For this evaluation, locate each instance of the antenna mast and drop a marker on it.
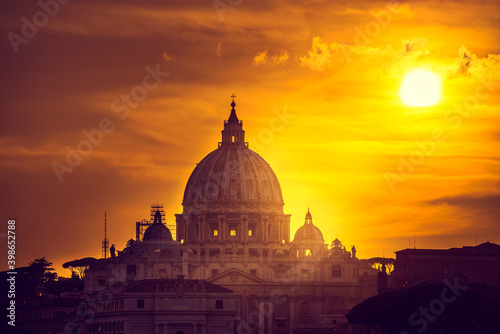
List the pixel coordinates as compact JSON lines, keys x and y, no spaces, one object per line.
{"x":105,"y":242}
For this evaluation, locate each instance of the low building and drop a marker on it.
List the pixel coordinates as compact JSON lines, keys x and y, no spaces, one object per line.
{"x":474,"y":264}
{"x":48,"y":315}
{"x":161,"y":306}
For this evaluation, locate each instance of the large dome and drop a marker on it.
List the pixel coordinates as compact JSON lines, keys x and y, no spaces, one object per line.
{"x":233,"y":196}
{"x":233,"y":177}
{"x":233,"y":174}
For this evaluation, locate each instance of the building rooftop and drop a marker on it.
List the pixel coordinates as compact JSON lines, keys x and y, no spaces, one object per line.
{"x":484,"y":249}
{"x":170,"y":285}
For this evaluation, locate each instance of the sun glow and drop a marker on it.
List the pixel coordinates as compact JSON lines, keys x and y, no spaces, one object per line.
{"x":420,"y":88}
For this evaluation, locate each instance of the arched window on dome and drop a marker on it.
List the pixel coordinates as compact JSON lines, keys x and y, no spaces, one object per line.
{"x":309,"y":252}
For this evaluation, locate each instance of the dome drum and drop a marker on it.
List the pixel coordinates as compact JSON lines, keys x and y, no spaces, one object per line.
{"x":233,"y":228}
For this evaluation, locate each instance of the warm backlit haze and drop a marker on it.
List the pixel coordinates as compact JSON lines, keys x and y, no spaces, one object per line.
{"x":376,"y":162}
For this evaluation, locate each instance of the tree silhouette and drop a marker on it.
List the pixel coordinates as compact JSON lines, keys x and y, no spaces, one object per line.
{"x":79,"y":266}
{"x":41,"y":270}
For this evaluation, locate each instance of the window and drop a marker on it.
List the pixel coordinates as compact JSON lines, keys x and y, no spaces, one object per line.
{"x":215,"y":272}
{"x":219,"y":304}
{"x":140,"y":303}
{"x":253,"y":272}
{"x":163,"y":273}
{"x":305,"y":309}
{"x":336,"y":271}
{"x":305,"y":273}
{"x":131,"y":270}
{"x":232,"y":139}
{"x":309,"y":252}
{"x":101,"y":281}
{"x":281,"y":307}
{"x":216,"y":233}
{"x":250,"y":232}
{"x":280,"y":273}
{"x":232,"y":233}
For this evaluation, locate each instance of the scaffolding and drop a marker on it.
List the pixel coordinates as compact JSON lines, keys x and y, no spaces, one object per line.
{"x":156,"y":207}
{"x":140,"y":227}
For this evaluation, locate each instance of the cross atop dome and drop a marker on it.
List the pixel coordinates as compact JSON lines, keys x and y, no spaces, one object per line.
{"x":233,"y":134}
{"x":232,"y":117}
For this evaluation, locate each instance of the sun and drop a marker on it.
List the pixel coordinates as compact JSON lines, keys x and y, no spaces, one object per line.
{"x":420,"y":88}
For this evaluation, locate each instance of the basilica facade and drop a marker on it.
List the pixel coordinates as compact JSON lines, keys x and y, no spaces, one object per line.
{"x":234,"y":233}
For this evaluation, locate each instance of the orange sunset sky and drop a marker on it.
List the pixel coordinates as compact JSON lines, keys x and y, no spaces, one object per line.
{"x":317,"y":87}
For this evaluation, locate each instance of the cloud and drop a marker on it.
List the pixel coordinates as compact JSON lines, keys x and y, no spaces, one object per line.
{"x":415,"y":46}
{"x":262,"y":58}
{"x":393,"y":11}
{"x":465,"y":60}
{"x":280,"y":59}
{"x":478,"y":210}
{"x":165,"y":56}
{"x":491,"y":201}
{"x":219,"y":49}
{"x":468,"y":64}
{"x":413,"y":53}
{"x":323,"y":55}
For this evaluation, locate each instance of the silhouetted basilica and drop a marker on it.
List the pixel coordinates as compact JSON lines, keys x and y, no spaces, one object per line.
{"x":233,"y":234}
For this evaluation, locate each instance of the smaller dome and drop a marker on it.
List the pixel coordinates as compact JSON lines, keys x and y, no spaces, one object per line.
{"x":308,"y":232}
{"x":157,"y":232}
